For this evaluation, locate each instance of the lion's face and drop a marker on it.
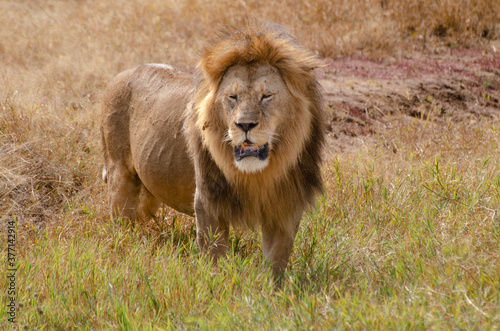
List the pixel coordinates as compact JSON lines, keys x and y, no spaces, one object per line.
{"x":253,"y":99}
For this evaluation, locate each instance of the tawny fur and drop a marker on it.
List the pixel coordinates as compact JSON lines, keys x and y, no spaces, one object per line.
{"x":165,"y":137}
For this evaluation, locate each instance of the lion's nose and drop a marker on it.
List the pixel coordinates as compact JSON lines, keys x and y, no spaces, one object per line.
{"x":246,"y":126}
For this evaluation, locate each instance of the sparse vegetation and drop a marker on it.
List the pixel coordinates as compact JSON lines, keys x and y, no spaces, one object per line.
{"x":407,"y":234}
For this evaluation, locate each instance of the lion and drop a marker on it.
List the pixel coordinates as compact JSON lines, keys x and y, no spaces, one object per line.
{"x":237,"y":143}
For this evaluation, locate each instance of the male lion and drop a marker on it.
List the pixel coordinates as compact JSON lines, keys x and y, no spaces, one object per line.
{"x":238,"y":143}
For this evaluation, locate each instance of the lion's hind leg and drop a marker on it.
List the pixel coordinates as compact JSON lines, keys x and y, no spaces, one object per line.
{"x":148,"y":205}
{"x":124,"y":189}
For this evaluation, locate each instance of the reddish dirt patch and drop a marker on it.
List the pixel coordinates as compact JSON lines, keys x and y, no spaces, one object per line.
{"x":363,"y":94}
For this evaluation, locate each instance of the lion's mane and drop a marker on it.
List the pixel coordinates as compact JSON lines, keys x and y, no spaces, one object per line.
{"x":293,"y":178}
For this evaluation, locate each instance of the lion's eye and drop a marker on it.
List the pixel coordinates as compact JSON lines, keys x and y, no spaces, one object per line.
{"x":233,"y":97}
{"x":266,"y":97}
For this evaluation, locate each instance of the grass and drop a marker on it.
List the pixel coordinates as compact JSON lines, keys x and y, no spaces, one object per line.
{"x":407,"y":235}
{"x":405,"y":240}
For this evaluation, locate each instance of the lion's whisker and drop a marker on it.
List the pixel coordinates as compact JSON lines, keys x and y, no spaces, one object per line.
{"x":274,"y":137}
{"x":226,"y":137}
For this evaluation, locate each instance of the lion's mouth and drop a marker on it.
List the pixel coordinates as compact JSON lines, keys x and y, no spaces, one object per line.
{"x":247,"y":148}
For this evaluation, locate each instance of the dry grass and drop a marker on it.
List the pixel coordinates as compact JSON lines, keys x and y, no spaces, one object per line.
{"x":400,"y":240}
{"x":57,"y":57}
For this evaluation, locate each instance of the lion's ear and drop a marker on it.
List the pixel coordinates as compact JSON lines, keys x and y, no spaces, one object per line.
{"x":297,"y":65}
{"x":217,"y":58}
{"x":298,"y":57}
{"x":315,"y":62}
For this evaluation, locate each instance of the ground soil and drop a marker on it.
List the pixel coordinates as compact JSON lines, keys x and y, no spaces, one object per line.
{"x":363,"y":95}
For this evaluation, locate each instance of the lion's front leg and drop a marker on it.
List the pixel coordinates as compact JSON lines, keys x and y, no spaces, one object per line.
{"x":277,"y":245}
{"x":212,"y":233}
